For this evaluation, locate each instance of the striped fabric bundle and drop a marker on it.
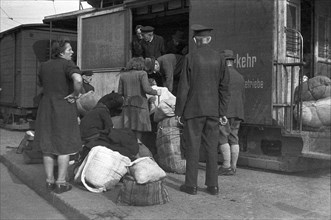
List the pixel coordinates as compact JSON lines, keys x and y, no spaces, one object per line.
{"x":168,"y":140}
{"x":152,"y":193}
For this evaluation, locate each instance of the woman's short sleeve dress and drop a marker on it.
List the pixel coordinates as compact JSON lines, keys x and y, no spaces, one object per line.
{"x":57,"y":130}
{"x":134,"y":86}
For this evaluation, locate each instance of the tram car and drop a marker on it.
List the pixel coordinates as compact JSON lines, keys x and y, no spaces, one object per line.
{"x":22,"y":49}
{"x":276,"y":43}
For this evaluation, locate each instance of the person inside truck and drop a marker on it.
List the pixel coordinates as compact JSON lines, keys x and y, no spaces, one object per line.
{"x":177,"y":44}
{"x":229,"y":141}
{"x":167,"y":69}
{"x":56,"y":130}
{"x":136,"y":48}
{"x":152,"y":45}
{"x":201,"y":104}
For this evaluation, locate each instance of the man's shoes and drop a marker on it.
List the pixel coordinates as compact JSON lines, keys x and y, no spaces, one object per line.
{"x":62,"y":187}
{"x":213,"y":190}
{"x":50,"y":186}
{"x":188,"y":189}
{"x":226,"y":171}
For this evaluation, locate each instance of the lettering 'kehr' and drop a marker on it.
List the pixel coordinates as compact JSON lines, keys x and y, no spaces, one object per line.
{"x":245,"y":61}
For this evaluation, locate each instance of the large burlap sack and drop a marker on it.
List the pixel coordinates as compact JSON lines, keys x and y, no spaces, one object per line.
{"x":132,"y":193}
{"x":168,"y":146}
{"x":102,"y":169}
{"x":316,"y":88}
{"x":86,"y":102}
{"x":316,"y":113}
{"x":146,"y":170}
{"x":320,"y":87}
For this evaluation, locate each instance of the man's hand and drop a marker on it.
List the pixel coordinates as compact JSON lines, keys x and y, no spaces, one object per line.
{"x":179,"y":120}
{"x":223,"y":120}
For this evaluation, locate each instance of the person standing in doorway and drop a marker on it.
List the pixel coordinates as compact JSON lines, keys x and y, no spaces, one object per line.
{"x":229,"y":141}
{"x":201,"y":105}
{"x":137,"y":50}
{"x":152,"y":45}
{"x":57,"y":132}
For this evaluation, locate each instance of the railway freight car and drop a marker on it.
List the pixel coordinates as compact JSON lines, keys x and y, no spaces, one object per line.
{"x":270,"y":38}
{"x":22,"y":49}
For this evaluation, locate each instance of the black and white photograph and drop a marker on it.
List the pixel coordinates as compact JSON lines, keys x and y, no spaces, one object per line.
{"x":165,"y":109}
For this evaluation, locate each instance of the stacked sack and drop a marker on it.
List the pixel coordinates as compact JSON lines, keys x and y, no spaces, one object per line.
{"x":316,"y":102}
{"x":144,"y":186}
{"x":168,"y":137}
{"x":102,"y":169}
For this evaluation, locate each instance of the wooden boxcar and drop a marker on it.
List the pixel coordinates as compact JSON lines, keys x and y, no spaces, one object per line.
{"x":21,"y":51}
{"x":270,"y":38}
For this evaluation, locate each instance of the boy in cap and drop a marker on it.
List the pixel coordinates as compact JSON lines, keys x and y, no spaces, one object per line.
{"x":229,"y":141}
{"x":87,"y":79}
{"x":201,"y":103}
{"x":152,"y":45}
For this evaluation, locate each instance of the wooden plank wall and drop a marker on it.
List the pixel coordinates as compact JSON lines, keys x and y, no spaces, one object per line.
{"x":34,"y":51}
{"x":105,"y":82}
{"x":7,"y":65}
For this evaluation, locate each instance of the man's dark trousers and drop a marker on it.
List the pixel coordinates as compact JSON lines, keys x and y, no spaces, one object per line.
{"x":194,"y":128}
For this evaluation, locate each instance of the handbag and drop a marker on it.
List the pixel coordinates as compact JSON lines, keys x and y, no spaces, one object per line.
{"x":102,"y":169}
{"x":145,"y":170}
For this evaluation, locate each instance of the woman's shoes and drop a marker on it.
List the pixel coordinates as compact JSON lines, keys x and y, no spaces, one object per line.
{"x":50,"y":186}
{"x":62,"y":187}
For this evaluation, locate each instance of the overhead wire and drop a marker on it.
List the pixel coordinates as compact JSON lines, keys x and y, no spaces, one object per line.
{"x":10,"y":18}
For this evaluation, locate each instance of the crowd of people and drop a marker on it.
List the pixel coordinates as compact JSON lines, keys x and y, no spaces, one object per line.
{"x":209,"y":105}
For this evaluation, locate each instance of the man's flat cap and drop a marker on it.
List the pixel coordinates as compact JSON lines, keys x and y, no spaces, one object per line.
{"x":147,"y":29}
{"x":228,"y":54}
{"x":200,"y":30}
{"x":87,"y":73}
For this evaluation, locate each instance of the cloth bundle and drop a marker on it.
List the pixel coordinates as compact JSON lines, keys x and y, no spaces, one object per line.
{"x":316,"y":88}
{"x":102,"y":169}
{"x":86,"y":102}
{"x":168,"y":146}
{"x":165,"y":95}
{"x":144,"y":186}
{"x":145,"y":170}
{"x":316,"y":102}
{"x":165,"y":109}
{"x":152,"y":193}
{"x":316,"y":113}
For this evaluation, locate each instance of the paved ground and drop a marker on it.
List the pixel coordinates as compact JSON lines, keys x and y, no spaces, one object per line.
{"x":251,"y":194}
{"x":20,"y":202}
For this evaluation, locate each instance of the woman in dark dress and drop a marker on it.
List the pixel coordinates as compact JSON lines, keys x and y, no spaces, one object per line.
{"x":134,"y":86}
{"x":57,"y":131}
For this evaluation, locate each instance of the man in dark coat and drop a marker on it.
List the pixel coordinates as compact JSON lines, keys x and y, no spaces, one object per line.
{"x":152,"y":45}
{"x":167,"y":68}
{"x":229,"y":141}
{"x":201,"y":104}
